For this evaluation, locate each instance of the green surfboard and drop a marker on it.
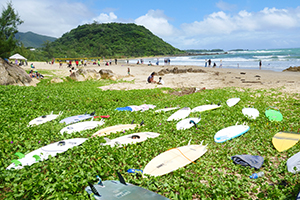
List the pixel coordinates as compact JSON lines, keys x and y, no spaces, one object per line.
{"x":120,"y":190}
{"x":273,"y":115}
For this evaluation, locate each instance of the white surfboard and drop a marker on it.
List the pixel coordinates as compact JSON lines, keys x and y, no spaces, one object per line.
{"x":43,"y":119}
{"x":180,"y":114}
{"x":44,"y":152}
{"x":293,"y":163}
{"x":231,"y":102}
{"x":81,"y":126}
{"x":205,"y":108}
{"x":173,"y":159}
{"x":251,"y":113}
{"x":230,"y":132}
{"x":167,"y":109}
{"x":77,"y":118}
{"x":114,"y":129}
{"x":187,"y":123}
{"x":130,"y":139}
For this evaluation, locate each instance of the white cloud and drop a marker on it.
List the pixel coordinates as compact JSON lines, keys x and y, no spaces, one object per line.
{"x":156,"y":22}
{"x":51,"y":18}
{"x":220,"y":23}
{"x":106,"y":18}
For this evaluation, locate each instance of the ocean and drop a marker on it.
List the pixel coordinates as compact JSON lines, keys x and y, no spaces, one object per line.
{"x":272,"y":59}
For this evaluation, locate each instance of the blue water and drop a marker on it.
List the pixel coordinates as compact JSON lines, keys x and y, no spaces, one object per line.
{"x":272,"y":59}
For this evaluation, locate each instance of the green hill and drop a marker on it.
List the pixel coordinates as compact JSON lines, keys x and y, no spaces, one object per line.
{"x":112,"y":39}
{"x":30,"y":39}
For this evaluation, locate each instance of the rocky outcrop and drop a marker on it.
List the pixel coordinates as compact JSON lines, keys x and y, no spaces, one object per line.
{"x":293,"y":69}
{"x":175,"y":70}
{"x":107,"y":74}
{"x":85,"y":74}
{"x":11,"y":74}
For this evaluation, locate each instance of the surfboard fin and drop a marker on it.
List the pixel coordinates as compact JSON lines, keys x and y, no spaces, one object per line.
{"x":16,"y":162}
{"x":219,"y":103}
{"x":20,"y":155}
{"x":121,"y":179}
{"x":189,"y":142}
{"x":100,"y":181}
{"x":141,"y":124}
{"x":94,"y":189}
{"x":37,"y":158}
{"x":132,"y":121}
{"x":192,"y":121}
{"x":93,"y":113}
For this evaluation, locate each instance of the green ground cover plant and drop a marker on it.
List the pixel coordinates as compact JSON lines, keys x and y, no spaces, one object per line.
{"x":212,"y":176}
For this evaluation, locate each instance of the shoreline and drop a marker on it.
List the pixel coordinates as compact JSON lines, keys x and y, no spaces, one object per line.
{"x":213,"y":78}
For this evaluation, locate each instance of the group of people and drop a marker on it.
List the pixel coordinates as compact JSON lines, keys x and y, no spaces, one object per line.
{"x":35,"y":74}
{"x":151,"y":79}
{"x":214,"y":65}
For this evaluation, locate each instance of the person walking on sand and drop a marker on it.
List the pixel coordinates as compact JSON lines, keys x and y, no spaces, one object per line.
{"x":259,"y":64}
{"x":128,"y":71}
{"x":209,"y":62}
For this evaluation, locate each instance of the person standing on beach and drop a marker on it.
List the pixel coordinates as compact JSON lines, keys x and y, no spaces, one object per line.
{"x":209,"y":62}
{"x":116,"y":61}
{"x":259,"y":64}
{"x":128,"y":71}
{"x":205,"y":62}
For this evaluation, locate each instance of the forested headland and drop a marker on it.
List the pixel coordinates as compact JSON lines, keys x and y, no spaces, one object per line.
{"x":112,"y":40}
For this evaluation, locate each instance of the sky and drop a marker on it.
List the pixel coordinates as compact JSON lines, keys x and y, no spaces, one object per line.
{"x":189,"y":24}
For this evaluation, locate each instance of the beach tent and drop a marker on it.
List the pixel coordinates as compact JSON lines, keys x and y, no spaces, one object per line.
{"x":17,"y":56}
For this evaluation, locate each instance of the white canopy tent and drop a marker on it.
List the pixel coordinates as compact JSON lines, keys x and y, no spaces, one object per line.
{"x":17,"y":56}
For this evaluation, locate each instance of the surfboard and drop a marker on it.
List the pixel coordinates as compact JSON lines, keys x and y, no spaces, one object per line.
{"x":273,"y":115}
{"x":233,"y":101}
{"x":187,"y":123}
{"x":230,"y":132}
{"x":293,"y":163}
{"x":114,"y":129}
{"x":180,"y":114}
{"x":284,"y":140}
{"x":205,"y":108}
{"x":43,"y":119}
{"x":130,"y":139}
{"x":113,"y":189}
{"x":44,"y":152}
{"x":173,"y":159}
{"x":77,"y":118}
{"x":251,"y":113}
{"x":81,"y":126}
{"x":167,"y":109}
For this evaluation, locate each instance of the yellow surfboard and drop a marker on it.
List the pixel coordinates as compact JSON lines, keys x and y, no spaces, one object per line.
{"x":284,"y":140}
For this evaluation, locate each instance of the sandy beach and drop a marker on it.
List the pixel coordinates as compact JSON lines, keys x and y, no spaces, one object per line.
{"x":212,"y":78}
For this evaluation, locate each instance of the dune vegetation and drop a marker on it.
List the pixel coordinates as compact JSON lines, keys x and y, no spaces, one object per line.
{"x":212,"y":176}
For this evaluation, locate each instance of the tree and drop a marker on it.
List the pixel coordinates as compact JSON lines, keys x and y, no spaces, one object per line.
{"x":9,"y":21}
